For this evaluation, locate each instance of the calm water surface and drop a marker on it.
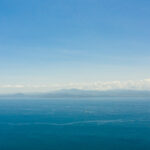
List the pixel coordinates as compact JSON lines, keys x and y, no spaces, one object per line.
{"x":75,"y":124}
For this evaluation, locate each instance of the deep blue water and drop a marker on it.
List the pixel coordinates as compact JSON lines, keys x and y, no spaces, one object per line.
{"x":75,"y":124}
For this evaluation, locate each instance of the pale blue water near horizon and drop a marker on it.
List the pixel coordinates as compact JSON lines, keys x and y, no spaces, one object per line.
{"x":75,"y":124}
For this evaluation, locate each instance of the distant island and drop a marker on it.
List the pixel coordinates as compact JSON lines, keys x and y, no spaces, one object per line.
{"x":76,"y":93}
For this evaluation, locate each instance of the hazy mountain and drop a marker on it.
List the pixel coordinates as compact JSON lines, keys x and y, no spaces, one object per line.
{"x":80,"y":93}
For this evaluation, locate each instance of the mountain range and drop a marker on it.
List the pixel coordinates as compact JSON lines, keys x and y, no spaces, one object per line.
{"x":80,"y":93}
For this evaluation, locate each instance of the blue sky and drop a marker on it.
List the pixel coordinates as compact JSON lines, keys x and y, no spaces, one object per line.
{"x":72,"y":41}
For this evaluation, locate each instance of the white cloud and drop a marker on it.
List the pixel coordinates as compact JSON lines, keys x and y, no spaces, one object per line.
{"x":12,"y":86}
{"x":130,"y":85}
{"x":99,"y":85}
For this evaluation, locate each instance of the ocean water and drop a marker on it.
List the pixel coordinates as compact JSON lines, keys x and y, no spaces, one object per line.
{"x":75,"y":124}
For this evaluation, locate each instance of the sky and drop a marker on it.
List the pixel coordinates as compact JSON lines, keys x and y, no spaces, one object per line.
{"x":53,"y":44}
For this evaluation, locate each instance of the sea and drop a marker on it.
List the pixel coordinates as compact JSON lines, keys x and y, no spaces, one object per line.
{"x":105,"y":123}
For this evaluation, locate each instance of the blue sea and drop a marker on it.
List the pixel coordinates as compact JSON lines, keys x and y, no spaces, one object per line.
{"x":75,"y":124}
